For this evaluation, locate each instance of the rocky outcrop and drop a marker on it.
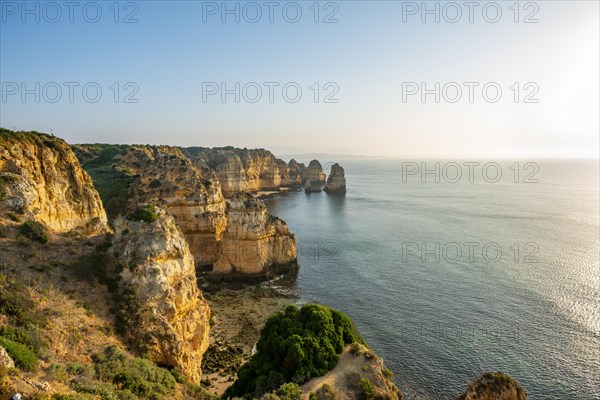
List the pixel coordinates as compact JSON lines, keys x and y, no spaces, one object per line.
{"x":5,"y":360}
{"x":494,"y":386}
{"x":357,"y":365}
{"x":314,"y":177}
{"x":158,"y":270}
{"x":166,"y":177}
{"x":336,"y":181}
{"x":255,"y":244}
{"x":245,"y":170}
{"x":41,"y":179}
{"x":293,"y":174}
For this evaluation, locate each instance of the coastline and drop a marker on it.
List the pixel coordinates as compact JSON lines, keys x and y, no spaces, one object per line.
{"x":239,"y":312}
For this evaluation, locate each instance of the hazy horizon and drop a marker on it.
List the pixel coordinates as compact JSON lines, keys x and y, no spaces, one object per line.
{"x":157,"y":66}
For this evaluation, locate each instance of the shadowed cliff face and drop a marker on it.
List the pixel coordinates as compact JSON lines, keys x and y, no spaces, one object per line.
{"x":336,"y":181}
{"x":172,"y":318}
{"x":41,"y":180}
{"x":314,"y":177}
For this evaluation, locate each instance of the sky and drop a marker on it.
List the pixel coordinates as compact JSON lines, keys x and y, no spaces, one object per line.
{"x":377,"y":78}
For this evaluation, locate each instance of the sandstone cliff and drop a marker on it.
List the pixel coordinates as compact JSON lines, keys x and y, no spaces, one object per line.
{"x":248,"y":170}
{"x":254,"y":244}
{"x":41,"y":180}
{"x":191,"y":193}
{"x":158,"y":269}
{"x":336,"y":181}
{"x":165,"y":176}
{"x":494,"y":386}
{"x":314,"y":177}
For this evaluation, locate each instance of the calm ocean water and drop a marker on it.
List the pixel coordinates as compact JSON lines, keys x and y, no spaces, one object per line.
{"x":447,"y":280}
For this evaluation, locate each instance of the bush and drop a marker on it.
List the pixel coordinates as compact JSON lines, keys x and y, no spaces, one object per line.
{"x":289,"y":391}
{"x":295,"y":345}
{"x":21,"y":355}
{"x":145,"y":213}
{"x":35,"y":231}
{"x":20,"y":336}
{"x":355,"y":349}
{"x":137,"y":376}
{"x":367,"y":389}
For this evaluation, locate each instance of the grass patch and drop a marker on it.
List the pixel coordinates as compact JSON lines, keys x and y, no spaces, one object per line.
{"x":23,"y":357}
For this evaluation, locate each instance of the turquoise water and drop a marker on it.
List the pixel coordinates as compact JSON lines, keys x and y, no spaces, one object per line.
{"x":527,"y":305}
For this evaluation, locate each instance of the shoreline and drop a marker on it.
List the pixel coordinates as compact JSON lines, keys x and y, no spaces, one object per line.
{"x":239,"y":312}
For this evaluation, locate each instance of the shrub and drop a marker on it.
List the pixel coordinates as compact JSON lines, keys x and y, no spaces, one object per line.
{"x":13,"y":217}
{"x":367,"y":389}
{"x":145,"y":213}
{"x":355,"y":349}
{"x":35,"y":231}
{"x":295,"y":345}
{"x":140,"y":377}
{"x":289,"y":391}
{"x":19,"y":335}
{"x":21,"y":355}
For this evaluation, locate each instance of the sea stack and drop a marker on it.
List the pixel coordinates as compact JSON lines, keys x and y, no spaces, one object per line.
{"x":314,"y":177}
{"x":336,"y":181}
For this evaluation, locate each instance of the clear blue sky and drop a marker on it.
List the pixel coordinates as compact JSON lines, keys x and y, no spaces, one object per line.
{"x":367,"y":54}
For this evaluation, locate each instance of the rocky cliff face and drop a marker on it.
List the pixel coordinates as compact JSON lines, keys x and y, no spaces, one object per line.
{"x":158,"y":269}
{"x":191,"y":193}
{"x":494,"y":386}
{"x":248,"y":170}
{"x":314,"y":177}
{"x":41,"y":179}
{"x":165,"y":176}
{"x":254,"y":244}
{"x":336,"y":181}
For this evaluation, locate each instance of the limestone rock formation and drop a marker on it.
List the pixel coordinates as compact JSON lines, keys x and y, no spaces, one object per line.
{"x":166,"y":177}
{"x":248,"y":170}
{"x":158,"y":268}
{"x":336,"y":181}
{"x":294,"y":173}
{"x":494,"y":386}
{"x":5,"y":359}
{"x":314,"y":177}
{"x":255,"y":244}
{"x":41,"y":179}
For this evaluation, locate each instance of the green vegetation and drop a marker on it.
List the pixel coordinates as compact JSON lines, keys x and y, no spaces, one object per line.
{"x":16,"y":303}
{"x":116,"y":375}
{"x":147,"y":213}
{"x":112,"y":183}
{"x":295,"y":345}
{"x":21,"y":355}
{"x":367,"y":389}
{"x":35,"y":231}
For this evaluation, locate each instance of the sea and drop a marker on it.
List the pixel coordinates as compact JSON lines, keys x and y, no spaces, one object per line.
{"x":450,"y":268}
